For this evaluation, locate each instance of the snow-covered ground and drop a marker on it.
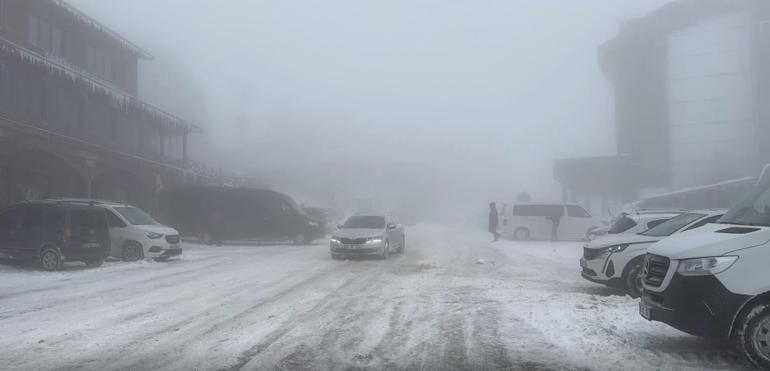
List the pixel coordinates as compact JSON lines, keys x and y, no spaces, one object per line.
{"x":453,"y":301}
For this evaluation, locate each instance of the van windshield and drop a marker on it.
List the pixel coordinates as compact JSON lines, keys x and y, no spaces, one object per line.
{"x":670,"y":226}
{"x":375,"y":222}
{"x":754,"y":210}
{"x":136,"y":216}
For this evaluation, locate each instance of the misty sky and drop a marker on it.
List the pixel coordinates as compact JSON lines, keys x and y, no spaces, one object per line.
{"x":479,"y":94}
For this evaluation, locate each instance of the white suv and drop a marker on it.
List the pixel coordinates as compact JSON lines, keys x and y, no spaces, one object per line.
{"x":633,"y":222}
{"x":135,"y":235}
{"x":616,"y":260}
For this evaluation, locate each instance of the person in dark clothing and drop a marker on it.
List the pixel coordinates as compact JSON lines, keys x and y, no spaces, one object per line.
{"x":555,"y":219}
{"x":493,"y":221}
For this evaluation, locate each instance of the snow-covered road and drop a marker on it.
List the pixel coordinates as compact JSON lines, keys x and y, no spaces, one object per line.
{"x":453,"y":301}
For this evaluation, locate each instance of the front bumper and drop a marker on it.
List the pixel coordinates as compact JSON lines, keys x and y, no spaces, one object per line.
{"x":600,"y":269}
{"x":699,"y":306}
{"x":161,"y":248}
{"x":356,"y":250}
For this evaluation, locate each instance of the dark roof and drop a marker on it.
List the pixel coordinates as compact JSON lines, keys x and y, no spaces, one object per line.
{"x":93,"y":23}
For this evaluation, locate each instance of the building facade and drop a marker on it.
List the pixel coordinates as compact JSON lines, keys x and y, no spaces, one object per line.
{"x":691,"y":80}
{"x":71,"y":123}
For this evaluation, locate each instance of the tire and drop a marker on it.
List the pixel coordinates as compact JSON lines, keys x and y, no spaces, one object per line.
{"x":521,"y":234}
{"x":50,"y":259}
{"x":385,"y":251}
{"x":633,"y":280}
{"x":132,"y":252}
{"x":753,"y":336}
{"x":94,"y":263}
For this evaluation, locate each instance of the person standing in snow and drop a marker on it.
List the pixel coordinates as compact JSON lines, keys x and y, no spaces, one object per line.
{"x":555,"y":218}
{"x":493,"y":221}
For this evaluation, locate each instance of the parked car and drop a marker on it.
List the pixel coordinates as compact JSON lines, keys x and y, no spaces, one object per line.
{"x":218,"y":214}
{"x":368,"y":235}
{"x":134,"y":234}
{"x":51,"y":233}
{"x":635,"y":221}
{"x":534,"y":221}
{"x":616,"y":260}
{"x":715,"y":282}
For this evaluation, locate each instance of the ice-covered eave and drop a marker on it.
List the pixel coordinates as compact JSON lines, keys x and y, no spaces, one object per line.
{"x":95,"y":83}
{"x":98,"y":26}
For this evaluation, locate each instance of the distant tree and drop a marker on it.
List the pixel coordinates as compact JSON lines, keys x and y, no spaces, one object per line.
{"x":523,"y":197}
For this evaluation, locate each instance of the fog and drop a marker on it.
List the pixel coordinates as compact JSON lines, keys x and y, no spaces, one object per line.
{"x":418,"y":104}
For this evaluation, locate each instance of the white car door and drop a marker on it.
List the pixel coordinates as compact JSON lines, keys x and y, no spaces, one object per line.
{"x":576,"y":223}
{"x":118,"y":234}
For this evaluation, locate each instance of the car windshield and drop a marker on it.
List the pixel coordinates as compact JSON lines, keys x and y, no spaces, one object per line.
{"x":754,"y":210}
{"x":621,"y":225}
{"x":374,"y":222}
{"x":136,"y":216}
{"x":670,"y":226}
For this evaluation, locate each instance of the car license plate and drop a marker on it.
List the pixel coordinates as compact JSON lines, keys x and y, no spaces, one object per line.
{"x":91,"y":245}
{"x":645,"y":311}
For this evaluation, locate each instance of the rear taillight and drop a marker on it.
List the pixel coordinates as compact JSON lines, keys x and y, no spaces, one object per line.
{"x":67,"y":234}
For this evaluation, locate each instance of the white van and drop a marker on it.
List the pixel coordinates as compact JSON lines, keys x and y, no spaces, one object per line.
{"x":715,"y":281}
{"x":534,"y":221}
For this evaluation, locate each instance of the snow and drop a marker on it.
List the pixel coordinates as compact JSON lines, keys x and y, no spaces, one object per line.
{"x":454,"y":300}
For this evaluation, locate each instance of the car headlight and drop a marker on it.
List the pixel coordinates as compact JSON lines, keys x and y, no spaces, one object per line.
{"x":373,"y":241}
{"x":153,"y":235}
{"x":334,"y":240}
{"x":706,"y":266}
{"x":617,"y":248}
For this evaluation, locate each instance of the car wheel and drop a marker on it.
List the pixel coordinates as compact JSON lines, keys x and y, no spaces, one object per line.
{"x":633,"y":280}
{"x":385,"y":251}
{"x":50,"y":259}
{"x":754,"y":336}
{"x":132,"y":252}
{"x":521,"y":234}
{"x":94,"y":263}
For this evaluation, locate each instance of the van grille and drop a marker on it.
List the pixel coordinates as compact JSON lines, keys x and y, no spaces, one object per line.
{"x":172,"y":239}
{"x":655,"y":269}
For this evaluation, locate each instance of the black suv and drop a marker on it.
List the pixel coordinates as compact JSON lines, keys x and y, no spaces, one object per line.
{"x":51,"y":232}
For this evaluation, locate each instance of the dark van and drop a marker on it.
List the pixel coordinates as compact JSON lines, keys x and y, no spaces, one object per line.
{"x":51,"y":233}
{"x":218,"y":214}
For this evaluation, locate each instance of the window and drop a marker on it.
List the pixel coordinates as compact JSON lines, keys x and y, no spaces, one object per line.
{"x":87,"y":219}
{"x":621,"y":225}
{"x":9,"y":218}
{"x":33,"y":218}
{"x":577,"y":212}
{"x":670,"y":226}
{"x":655,"y":223}
{"x":539,"y":210}
{"x":101,"y":64}
{"x":114,"y":220}
{"x":703,"y":222}
{"x":52,"y":218}
{"x":45,"y":36}
{"x":136,"y":216}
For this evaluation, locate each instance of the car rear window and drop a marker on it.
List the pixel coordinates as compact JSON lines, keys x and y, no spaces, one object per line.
{"x":621,"y":225}
{"x":84,"y":218}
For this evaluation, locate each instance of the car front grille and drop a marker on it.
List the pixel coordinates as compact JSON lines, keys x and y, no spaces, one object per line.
{"x":352,"y":241}
{"x":172,"y":239}
{"x":590,"y":254}
{"x":655,"y":269}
